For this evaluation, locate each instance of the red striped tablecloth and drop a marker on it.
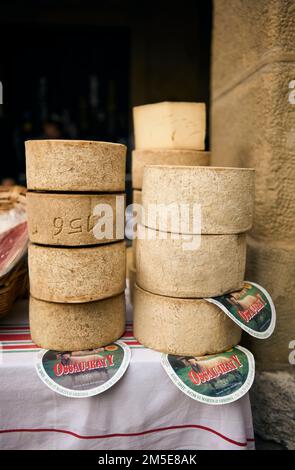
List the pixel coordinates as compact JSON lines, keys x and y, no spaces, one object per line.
{"x":144,"y":410}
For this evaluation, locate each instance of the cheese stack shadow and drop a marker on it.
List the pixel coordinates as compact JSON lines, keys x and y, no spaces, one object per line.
{"x":180,"y":264}
{"x":167,"y":133}
{"x":77,"y":259}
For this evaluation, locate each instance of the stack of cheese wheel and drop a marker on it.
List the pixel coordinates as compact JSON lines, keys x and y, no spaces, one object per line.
{"x":181,"y":261}
{"x":167,"y":133}
{"x":76,"y":259}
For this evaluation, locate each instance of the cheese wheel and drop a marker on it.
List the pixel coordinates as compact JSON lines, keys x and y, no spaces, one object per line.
{"x":135,"y":200}
{"x":69,"y":219}
{"x":141,"y":158}
{"x":199,"y":266}
{"x":75,"y":165}
{"x":77,"y":274}
{"x":74,"y":327}
{"x":224,"y":197}
{"x":189,"y":327}
{"x":176,"y":125}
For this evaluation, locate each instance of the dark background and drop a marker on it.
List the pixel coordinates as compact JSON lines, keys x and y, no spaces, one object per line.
{"x":83,"y":64}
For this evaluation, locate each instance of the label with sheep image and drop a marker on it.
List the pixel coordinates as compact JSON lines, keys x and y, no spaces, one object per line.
{"x":81,"y":374}
{"x":251,"y":308}
{"x":216,"y":379}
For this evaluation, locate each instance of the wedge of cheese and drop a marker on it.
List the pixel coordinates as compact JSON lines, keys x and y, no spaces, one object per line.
{"x":141,"y":158}
{"x":74,"y":219}
{"x":75,"y":165}
{"x":189,"y":327}
{"x":74,"y":327}
{"x":77,"y":274}
{"x":170,"y":125}
{"x":213,"y":200}
{"x":190,"y":266}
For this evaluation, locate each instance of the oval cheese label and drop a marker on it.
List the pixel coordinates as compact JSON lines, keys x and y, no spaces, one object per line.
{"x":251,"y":308}
{"x":216,"y":379}
{"x":85,"y":373}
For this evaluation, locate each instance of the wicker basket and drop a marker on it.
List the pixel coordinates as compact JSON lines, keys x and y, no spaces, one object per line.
{"x":14,"y":284}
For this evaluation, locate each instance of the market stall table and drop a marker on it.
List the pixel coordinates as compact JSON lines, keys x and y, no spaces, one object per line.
{"x":144,"y":410}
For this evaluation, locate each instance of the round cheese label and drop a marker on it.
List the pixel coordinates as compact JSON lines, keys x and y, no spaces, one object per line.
{"x":251,"y":308}
{"x":215,"y":379}
{"x":85,"y":373}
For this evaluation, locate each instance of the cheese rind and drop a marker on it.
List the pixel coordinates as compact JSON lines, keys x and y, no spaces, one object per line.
{"x":177,"y":125}
{"x":77,"y":274}
{"x":225,"y":197}
{"x":73,"y":327}
{"x":189,"y":327}
{"x":136,"y":199}
{"x":214,"y":265}
{"x":75,"y":165}
{"x":68,"y":219}
{"x":141,"y":158}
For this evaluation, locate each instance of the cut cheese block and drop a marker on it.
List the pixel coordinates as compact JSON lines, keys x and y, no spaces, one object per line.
{"x":190,"y":266}
{"x":215,"y":200}
{"x":74,"y":327}
{"x":75,"y":165}
{"x":69,"y":219}
{"x":77,"y":274}
{"x":141,"y":158}
{"x":171,"y":125}
{"x":189,"y":327}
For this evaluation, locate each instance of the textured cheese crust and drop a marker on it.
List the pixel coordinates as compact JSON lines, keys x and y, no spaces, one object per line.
{"x":75,"y":165}
{"x":189,"y":327}
{"x":213,"y":268}
{"x":177,"y":125}
{"x":141,"y":158}
{"x":68,"y":219}
{"x":77,"y":274}
{"x":225,"y":196}
{"x":74,"y":327}
{"x":136,"y":199}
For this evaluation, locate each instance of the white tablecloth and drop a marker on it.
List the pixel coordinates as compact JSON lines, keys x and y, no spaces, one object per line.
{"x":144,"y":410}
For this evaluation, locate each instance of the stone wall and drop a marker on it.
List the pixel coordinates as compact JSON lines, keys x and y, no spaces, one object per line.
{"x":253,"y":125}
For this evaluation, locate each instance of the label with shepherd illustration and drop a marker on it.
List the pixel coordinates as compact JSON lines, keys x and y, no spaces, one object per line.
{"x":216,"y":379}
{"x":251,"y":308}
{"x":85,"y":373}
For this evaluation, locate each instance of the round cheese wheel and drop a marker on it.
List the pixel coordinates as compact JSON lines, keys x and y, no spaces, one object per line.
{"x":220,"y":199}
{"x":141,"y":158}
{"x":75,"y":165}
{"x":74,"y":327}
{"x":77,"y":274}
{"x":69,"y":219}
{"x":136,"y":199}
{"x":189,"y":327}
{"x":190,"y":266}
